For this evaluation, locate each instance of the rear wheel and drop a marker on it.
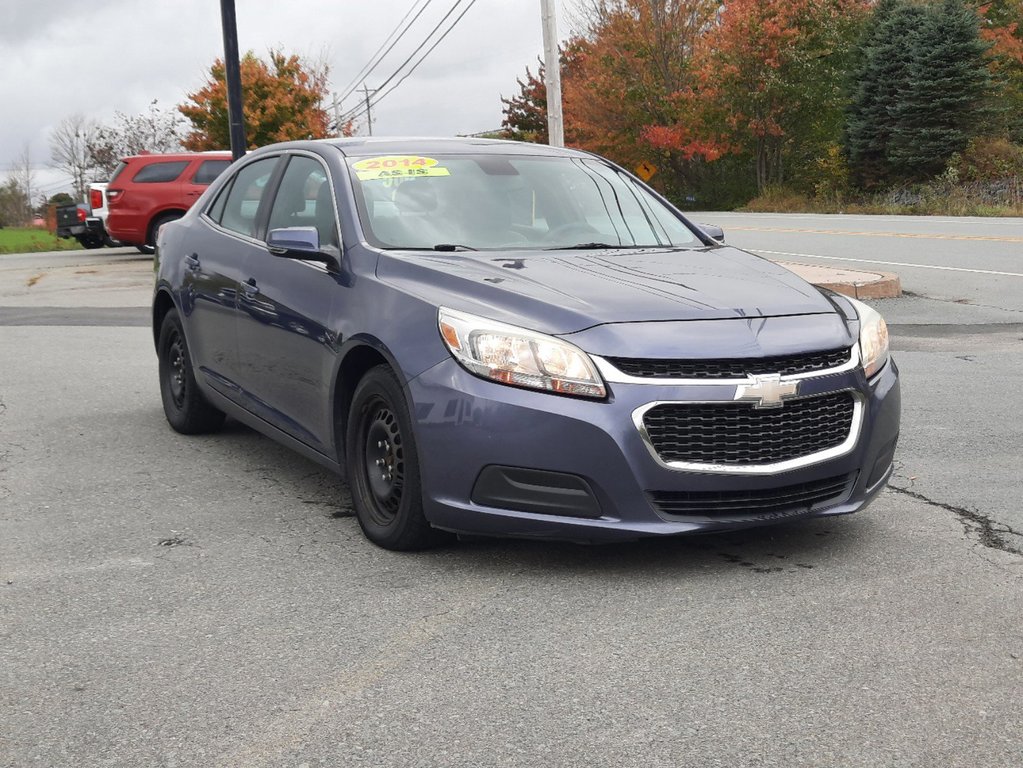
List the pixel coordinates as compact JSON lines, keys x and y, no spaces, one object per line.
{"x":383,"y":465}
{"x":187,"y":409}
{"x":154,"y":230}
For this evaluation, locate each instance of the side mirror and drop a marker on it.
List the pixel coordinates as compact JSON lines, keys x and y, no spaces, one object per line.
{"x":715,"y":233}
{"x":298,"y":243}
{"x":294,"y":242}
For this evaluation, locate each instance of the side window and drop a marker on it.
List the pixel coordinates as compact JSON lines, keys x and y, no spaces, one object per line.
{"x":155,"y":173}
{"x":216,"y":211}
{"x":242,"y":201}
{"x":304,"y":200}
{"x":209,"y":170}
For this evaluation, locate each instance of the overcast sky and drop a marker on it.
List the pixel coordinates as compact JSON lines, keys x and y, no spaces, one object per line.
{"x":104,"y":56}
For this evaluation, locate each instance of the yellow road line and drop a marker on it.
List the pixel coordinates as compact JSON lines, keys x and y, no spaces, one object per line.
{"x":913,"y":235}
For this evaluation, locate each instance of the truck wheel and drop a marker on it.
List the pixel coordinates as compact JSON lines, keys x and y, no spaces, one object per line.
{"x":154,"y":229}
{"x":91,"y":242}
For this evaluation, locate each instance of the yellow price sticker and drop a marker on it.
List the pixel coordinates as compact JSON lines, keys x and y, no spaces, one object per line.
{"x":397,"y":166}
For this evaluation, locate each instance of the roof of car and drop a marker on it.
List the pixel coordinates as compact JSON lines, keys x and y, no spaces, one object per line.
{"x":379,"y":145}
{"x":162,"y":156}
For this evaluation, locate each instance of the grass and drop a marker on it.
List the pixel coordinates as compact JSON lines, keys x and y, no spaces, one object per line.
{"x":32,"y":240}
{"x":927,"y":201}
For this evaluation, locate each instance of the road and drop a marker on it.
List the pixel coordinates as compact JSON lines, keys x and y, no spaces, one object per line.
{"x":167,"y":601}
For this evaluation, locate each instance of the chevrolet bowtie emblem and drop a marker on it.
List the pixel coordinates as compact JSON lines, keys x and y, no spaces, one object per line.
{"x":766,"y":391}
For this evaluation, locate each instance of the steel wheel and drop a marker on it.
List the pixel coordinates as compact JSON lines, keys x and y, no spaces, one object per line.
{"x":186,"y":408}
{"x":383,"y":465}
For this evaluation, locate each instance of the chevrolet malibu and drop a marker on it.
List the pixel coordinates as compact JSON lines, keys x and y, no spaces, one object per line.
{"x":496,"y":338}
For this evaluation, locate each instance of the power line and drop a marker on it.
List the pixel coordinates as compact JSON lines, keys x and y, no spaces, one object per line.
{"x":377,"y":57}
{"x":420,"y":46}
{"x":362,"y":109}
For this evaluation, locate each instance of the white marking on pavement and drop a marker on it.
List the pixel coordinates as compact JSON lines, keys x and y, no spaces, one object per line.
{"x":890,"y":263}
{"x":828,"y":217}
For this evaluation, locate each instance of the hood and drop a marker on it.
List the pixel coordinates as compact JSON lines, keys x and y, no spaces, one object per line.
{"x":565,"y":292}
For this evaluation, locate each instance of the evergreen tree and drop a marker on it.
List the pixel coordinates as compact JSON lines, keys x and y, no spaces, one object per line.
{"x":946,"y":102}
{"x":879,"y":82}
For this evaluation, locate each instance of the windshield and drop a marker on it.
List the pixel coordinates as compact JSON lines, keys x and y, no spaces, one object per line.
{"x":454,"y":202}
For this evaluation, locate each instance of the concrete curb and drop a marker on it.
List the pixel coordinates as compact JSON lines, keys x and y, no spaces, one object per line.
{"x":851,"y":282}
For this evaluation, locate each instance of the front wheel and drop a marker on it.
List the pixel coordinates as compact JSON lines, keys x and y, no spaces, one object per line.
{"x":383,"y":465}
{"x":187,"y":409}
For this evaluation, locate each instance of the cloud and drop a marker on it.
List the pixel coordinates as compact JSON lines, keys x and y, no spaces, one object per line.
{"x":119,"y":55}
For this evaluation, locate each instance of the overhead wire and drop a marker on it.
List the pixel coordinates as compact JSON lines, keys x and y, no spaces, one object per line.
{"x":377,"y":57}
{"x":360,"y":110}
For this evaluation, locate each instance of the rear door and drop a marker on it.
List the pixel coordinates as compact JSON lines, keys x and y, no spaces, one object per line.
{"x":215,"y":264}
{"x":201,"y":174}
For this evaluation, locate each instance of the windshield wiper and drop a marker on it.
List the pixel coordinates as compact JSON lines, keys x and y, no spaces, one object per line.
{"x":438,"y":247}
{"x":453,"y":247}
{"x":592,"y":246}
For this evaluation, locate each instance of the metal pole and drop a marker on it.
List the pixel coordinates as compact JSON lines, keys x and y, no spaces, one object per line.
{"x":552,"y":74}
{"x":234,"y":78}
{"x":369,"y":115}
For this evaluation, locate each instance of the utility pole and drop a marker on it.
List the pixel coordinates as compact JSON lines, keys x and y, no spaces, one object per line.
{"x":335,"y":104}
{"x":552,"y":74}
{"x":234,"y":78}
{"x":369,"y":115}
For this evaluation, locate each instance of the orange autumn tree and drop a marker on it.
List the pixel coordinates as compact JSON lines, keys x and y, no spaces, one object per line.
{"x":282,"y":100}
{"x":629,"y":67}
{"x":773,"y":79}
{"x":1002,"y":28}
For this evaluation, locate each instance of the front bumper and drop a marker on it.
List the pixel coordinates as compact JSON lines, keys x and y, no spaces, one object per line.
{"x":465,"y":424}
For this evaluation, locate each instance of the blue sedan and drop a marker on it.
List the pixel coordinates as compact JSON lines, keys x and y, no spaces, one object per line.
{"x":510,"y":339}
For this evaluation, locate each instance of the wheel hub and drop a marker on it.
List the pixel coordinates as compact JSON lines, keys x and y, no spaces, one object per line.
{"x":177,"y":370}
{"x":384,"y":460}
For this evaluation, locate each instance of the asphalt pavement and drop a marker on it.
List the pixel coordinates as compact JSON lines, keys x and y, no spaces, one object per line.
{"x":172,"y":601}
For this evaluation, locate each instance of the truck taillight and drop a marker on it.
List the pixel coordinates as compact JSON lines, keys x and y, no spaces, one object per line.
{"x":82,"y":214}
{"x":95,"y":198}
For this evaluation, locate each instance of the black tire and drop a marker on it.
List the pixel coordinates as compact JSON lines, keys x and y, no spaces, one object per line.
{"x":149,"y":250}
{"x":383,"y":465}
{"x":91,"y":242}
{"x":187,"y":409}
{"x":154,"y":230}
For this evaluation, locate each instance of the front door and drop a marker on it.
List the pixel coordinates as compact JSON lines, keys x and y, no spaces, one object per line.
{"x":287,"y":347}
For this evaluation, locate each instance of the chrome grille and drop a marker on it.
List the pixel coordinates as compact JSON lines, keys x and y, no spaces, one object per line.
{"x":731,"y":368}
{"x":737,"y":434}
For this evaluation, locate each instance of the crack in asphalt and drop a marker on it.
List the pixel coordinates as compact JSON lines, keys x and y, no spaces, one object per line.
{"x":989,"y":532}
{"x":966,"y":302}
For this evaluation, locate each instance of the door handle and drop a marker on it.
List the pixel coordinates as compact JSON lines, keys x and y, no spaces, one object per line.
{"x":192,"y":263}
{"x":250,"y":288}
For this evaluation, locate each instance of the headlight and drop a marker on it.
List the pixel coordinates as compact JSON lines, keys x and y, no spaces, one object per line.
{"x":515,"y":356}
{"x":873,"y":338}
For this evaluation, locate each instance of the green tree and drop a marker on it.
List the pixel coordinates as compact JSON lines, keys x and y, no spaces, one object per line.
{"x":880,"y":79}
{"x":282,"y":101}
{"x":946,"y":102}
{"x":14,"y":204}
{"x":61,"y":198}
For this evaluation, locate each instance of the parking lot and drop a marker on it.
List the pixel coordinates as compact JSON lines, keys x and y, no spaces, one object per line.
{"x":172,"y":601}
